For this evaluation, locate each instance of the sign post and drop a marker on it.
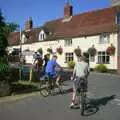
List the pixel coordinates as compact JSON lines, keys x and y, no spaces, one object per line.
{"x":20,"y":55}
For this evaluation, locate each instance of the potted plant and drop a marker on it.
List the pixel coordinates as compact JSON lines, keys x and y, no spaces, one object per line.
{"x":77,"y":51}
{"x":50,"y":50}
{"x":110,"y":50}
{"x":59,"y":50}
{"x":40,"y":50}
{"x":92,"y":51}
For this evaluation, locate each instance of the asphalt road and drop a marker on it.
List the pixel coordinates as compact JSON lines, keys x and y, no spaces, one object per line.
{"x":103,"y":103}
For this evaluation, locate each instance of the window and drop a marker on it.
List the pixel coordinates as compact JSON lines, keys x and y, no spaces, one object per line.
{"x":69,"y":57}
{"x":68,"y":42}
{"x":42,"y":37}
{"x":103,"y":58}
{"x":104,"y":38}
{"x":92,"y":58}
{"x":118,"y":18}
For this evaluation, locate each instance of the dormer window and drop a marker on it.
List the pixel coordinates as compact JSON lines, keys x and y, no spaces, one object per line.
{"x":118,"y":18}
{"x":42,"y":35}
{"x":68,"y":42}
{"x":104,"y":38}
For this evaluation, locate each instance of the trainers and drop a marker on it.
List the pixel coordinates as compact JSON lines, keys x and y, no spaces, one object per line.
{"x":72,"y":105}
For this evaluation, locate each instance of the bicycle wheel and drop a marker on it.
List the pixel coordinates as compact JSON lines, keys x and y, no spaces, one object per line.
{"x":82,"y":102}
{"x":44,"y":88}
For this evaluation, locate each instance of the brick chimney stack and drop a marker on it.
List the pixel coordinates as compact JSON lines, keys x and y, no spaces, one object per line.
{"x":68,"y":10}
{"x":29,"y":24}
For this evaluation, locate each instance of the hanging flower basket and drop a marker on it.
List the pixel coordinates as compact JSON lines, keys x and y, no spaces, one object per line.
{"x":77,"y":51}
{"x":59,"y":50}
{"x":111,"y":50}
{"x":40,"y":50}
{"x":92,"y":51}
{"x":50,"y":50}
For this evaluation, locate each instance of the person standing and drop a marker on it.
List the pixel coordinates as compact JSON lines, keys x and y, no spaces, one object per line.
{"x":46,"y":59}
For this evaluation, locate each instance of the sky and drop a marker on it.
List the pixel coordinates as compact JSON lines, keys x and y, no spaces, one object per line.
{"x":41,"y":11}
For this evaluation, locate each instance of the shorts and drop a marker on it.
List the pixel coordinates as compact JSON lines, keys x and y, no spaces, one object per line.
{"x":53,"y":76}
{"x":78,"y":82}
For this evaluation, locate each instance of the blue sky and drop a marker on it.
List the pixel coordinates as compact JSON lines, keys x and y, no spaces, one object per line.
{"x":18,"y":11}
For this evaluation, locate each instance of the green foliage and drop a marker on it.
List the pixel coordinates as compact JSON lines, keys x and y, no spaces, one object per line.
{"x":101,"y":68}
{"x":3,"y":42}
{"x":14,"y":74}
{"x":4,"y":72}
{"x":71,"y":64}
{"x":6,"y":28}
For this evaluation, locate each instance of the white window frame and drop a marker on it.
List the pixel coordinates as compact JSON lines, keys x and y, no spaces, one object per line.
{"x":69,"y":56}
{"x":104,"y":38}
{"x":101,"y":55}
{"x":91,"y":58}
{"x":42,"y":35}
{"x":68,"y":42}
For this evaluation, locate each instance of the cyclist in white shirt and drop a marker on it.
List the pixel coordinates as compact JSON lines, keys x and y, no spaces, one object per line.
{"x":80,"y":71}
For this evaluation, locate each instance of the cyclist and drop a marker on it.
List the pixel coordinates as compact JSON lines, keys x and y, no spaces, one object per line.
{"x":50,"y":69}
{"x":80,"y":72}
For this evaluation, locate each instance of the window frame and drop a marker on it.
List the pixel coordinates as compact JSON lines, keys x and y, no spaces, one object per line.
{"x":68,"y":42}
{"x":92,"y":58}
{"x":118,"y":18}
{"x":69,"y":56}
{"x":103,"y":55}
{"x":103,"y":37}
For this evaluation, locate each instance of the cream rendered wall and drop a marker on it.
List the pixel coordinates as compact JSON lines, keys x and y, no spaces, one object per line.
{"x":83,"y":42}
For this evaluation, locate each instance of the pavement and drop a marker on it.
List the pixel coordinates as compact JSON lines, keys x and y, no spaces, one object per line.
{"x":103,"y":103}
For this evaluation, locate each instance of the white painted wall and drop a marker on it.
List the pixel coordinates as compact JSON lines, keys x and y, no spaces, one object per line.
{"x":83,"y":42}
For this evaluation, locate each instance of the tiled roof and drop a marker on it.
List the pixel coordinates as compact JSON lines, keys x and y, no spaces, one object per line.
{"x":85,"y":24}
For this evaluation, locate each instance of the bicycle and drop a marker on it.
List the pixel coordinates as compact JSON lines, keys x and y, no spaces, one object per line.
{"x":81,"y":95}
{"x":47,"y":86}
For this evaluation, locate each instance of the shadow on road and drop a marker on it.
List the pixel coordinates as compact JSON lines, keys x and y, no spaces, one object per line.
{"x":94,"y":105}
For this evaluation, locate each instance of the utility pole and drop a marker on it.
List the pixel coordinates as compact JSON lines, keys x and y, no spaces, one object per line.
{"x":20,"y":55}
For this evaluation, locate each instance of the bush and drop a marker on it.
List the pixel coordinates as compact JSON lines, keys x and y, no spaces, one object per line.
{"x":14,"y":74}
{"x":101,"y":68}
{"x":71,"y":64}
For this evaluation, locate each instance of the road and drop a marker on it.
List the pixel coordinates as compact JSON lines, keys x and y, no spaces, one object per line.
{"x":103,"y":103}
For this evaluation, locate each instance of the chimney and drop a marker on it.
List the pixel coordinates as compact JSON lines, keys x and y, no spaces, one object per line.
{"x":68,"y":10}
{"x":29,"y":24}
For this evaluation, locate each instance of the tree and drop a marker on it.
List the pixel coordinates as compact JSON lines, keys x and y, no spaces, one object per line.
{"x":5,"y":82}
{"x":6,"y":28}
